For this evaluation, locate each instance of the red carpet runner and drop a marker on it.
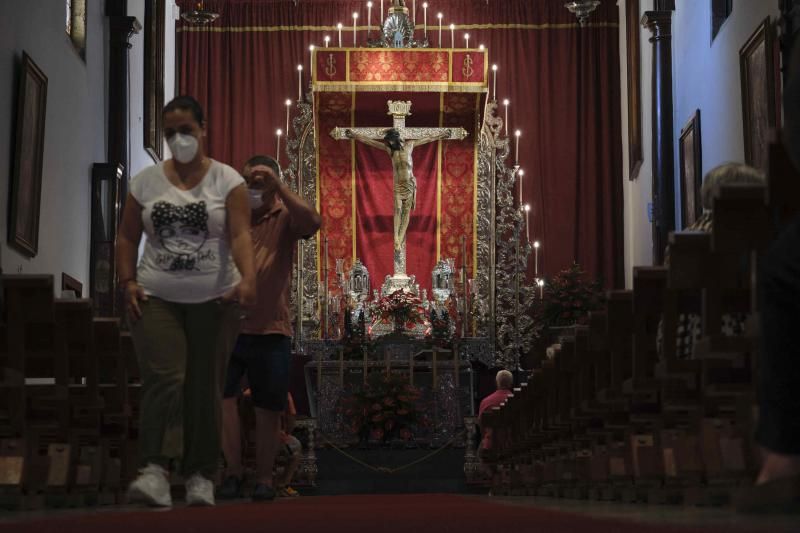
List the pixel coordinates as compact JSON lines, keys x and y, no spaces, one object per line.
{"x":414,"y":513}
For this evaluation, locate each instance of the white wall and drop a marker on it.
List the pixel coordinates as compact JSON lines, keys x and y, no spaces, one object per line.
{"x":74,"y":135}
{"x":637,"y":193}
{"x":139,"y":158}
{"x":706,"y":77}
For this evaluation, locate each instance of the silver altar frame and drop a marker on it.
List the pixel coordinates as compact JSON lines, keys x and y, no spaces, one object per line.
{"x":500,"y":306}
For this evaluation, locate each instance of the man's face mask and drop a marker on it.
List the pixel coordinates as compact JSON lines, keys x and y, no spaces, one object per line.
{"x":256,"y":198}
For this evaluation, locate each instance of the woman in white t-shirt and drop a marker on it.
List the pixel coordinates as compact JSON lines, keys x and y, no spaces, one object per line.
{"x":182,"y":302}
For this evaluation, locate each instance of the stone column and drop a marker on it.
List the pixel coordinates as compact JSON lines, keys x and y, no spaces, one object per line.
{"x":660,"y":24}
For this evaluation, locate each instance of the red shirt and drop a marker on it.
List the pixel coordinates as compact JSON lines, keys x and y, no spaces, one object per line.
{"x":493,"y":400}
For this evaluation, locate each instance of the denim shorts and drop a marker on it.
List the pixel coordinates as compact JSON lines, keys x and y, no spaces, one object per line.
{"x":264,"y":361}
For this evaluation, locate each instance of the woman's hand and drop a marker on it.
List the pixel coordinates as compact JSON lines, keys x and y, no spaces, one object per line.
{"x":244,"y":293}
{"x":134,"y":293}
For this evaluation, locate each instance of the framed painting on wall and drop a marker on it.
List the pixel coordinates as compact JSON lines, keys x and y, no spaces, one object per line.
{"x":691,"y":161}
{"x":634,"y":63}
{"x":757,"y":66}
{"x":26,"y":178}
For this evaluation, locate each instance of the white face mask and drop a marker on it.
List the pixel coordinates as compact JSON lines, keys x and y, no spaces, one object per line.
{"x":256,"y":198}
{"x":183,"y":147}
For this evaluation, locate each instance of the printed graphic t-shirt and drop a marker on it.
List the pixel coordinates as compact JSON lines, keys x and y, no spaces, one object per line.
{"x":187,"y":256}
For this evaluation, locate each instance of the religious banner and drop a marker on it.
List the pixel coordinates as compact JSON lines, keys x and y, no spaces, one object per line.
{"x":444,"y":91}
{"x":412,"y":70}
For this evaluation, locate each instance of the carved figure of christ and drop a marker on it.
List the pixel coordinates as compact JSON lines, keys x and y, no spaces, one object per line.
{"x":399,"y":142}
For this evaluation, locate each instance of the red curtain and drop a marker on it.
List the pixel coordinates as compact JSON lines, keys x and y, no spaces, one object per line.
{"x":562,"y":80}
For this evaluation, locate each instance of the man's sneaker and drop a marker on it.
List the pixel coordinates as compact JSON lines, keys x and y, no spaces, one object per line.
{"x":151,"y":487}
{"x":199,"y":491}
{"x":230,"y":489}
{"x":263,"y":493}
{"x":288,"y":492}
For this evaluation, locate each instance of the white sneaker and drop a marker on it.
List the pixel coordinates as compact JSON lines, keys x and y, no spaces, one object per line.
{"x":199,"y":491}
{"x":151,"y":487}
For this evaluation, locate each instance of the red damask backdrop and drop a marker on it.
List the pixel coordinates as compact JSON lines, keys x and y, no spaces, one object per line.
{"x":563,"y":82}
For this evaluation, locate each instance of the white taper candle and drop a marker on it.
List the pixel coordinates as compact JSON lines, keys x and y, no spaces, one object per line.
{"x":299,"y":83}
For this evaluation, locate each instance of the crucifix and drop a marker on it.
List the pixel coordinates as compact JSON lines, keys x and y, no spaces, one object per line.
{"x":399,"y":142}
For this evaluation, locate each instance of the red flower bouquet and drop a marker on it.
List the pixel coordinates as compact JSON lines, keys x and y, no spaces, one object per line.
{"x":401,"y":308}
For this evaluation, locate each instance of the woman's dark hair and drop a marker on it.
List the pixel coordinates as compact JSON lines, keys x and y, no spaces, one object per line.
{"x":185,"y":103}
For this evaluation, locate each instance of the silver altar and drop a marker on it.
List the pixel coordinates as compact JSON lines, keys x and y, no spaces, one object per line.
{"x":497,"y":306}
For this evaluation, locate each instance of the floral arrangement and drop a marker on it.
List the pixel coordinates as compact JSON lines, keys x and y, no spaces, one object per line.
{"x":569,"y":297}
{"x":383,"y":409}
{"x":402,"y":308}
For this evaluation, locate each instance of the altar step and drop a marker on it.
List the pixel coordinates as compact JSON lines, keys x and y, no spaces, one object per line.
{"x":339,"y":474}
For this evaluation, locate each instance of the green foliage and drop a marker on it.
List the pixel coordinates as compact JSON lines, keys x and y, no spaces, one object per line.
{"x":569,"y":297}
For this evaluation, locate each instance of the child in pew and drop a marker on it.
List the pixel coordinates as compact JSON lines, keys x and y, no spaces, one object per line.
{"x":689,"y":329}
{"x":290,"y":450}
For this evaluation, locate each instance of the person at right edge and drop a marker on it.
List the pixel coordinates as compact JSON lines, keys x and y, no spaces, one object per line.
{"x":777,"y":487}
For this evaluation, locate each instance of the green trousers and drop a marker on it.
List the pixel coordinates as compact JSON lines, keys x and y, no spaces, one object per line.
{"x":183,"y":351}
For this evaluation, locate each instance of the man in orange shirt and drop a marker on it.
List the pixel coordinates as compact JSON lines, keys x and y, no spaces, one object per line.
{"x":279,"y":219}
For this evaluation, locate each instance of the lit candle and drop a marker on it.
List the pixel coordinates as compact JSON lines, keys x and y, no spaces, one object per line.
{"x":527,"y":222}
{"x":425,"y":19}
{"x":369,"y":17}
{"x":466,"y":39}
{"x":541,"y":288}
{"x":311,"y":61}
{"x":440,"y":16}
{"x":536,"y":258}
{"x":482,"y":48}
{"x":299,"y":83}
{"x":382,"y":13}
{"x":355,"y":27}
{"x":505,"y":103}
{"x":494,"y":83}
{"x":517,"y":134}
{"x":288,"y":111}
{"x":339,"y":27}
{"x":452,"y":35}
{"x":327,"y":40}
{"x":520,"y":173}
{"x":278,"y":149}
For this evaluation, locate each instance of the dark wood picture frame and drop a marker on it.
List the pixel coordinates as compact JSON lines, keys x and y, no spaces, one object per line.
{"x":154,"y":24}
{"x":26,"y":179}
{"x":634,"y":62}
{"x":759,"y":107}
{"x":690,"y":147}
{"x":68,"y":283}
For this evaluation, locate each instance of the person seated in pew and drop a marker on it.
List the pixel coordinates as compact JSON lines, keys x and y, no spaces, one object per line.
{"x":777,"y":487}
{"x":505,"y":382}
{"x":689,"y":328}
